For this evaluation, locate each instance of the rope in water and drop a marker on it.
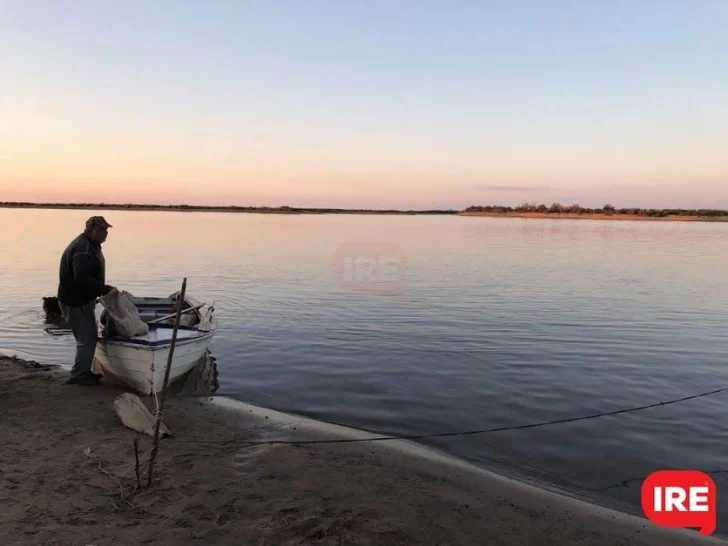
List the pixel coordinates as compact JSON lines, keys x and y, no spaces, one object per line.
{"x":248,"y":443}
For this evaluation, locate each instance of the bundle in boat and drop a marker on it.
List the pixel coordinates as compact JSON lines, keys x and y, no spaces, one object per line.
{"x":123,"y":317}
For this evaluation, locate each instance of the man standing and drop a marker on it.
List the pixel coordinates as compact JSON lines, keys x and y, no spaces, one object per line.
{"x":82,"y":280}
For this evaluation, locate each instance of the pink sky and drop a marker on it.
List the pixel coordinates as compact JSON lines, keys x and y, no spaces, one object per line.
{"x":415,"y":108}
{"x":54,"y":150}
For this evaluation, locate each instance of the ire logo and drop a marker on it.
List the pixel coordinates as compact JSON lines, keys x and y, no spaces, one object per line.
{"x":680,"y":498}
{"x":375,"y":267}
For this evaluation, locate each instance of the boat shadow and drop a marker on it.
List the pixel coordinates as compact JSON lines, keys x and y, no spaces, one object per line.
{"x":200,"y":380}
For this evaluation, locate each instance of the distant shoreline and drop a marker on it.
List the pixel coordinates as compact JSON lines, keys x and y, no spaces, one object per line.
{"x":588,"y":214}
{"x":204,"y":208}
{"x":592,"y":216}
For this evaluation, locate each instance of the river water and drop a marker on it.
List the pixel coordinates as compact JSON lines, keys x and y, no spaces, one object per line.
{"x":426,"y":324}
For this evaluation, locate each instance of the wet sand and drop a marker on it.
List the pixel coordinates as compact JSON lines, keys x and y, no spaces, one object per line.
{"x":67,"y":477}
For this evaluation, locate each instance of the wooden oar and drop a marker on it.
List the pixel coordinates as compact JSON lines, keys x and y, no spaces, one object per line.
{"x":165,"y":317}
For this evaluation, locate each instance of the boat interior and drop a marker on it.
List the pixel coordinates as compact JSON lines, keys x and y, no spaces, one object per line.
{"x":157,"y":312}
{"x":162,"y":311}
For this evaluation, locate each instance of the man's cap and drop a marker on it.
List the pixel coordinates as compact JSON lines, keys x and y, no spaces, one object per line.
{"x":97,"y":222}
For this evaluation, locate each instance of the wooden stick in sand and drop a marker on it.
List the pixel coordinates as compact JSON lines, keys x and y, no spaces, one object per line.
{"x":160,"y":409}
{"x":136,"y":467}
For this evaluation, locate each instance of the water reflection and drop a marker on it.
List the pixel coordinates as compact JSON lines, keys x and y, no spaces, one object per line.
{"x":500,"y":322}
{"x":202,"y":379}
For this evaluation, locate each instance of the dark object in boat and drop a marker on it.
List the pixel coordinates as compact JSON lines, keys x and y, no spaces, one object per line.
{"x":151,"y":310}
{"x":53,"y":313}
{"x":51,"y":307}
{"x":154,"y":311}
{"x":108,"y":326}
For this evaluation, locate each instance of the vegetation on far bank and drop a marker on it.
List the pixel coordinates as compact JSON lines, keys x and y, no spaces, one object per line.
{"x":608,"y":210}
{"x":218,"y":208}
{"x":525,"y":208}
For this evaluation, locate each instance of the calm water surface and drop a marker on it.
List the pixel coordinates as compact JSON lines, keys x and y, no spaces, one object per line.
{"x":486,"y":323}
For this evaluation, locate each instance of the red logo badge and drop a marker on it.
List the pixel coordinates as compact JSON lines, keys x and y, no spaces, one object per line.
{"x":680,"y":498}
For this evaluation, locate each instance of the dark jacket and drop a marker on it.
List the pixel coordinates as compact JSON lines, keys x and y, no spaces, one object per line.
{"x":82,"y":272}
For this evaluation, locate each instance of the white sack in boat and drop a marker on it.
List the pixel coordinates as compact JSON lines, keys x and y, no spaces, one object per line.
{"x":120,"y":307}
{"x":205,"y":324}
{"x":135,"y":415}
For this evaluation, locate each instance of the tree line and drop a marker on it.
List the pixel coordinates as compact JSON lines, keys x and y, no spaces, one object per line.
{"x":555,"y":208}
{"x":216,"y":208}
{"x":558,"y":208}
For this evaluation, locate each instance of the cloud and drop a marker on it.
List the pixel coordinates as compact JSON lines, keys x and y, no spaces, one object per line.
{"x":486,"y":187}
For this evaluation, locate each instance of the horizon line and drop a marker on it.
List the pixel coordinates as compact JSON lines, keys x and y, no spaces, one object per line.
{"x":529,"y":207}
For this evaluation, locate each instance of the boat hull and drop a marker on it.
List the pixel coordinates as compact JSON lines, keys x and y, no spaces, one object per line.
{"x":142,"y":366}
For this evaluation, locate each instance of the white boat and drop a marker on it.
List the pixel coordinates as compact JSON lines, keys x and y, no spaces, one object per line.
{"x":140,"y":361}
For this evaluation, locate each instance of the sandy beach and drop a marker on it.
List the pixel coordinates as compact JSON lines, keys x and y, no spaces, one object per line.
{"x":67,"y":478}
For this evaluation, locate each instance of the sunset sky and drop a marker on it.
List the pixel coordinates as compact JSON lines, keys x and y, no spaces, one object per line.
{"x":411,"y":104}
